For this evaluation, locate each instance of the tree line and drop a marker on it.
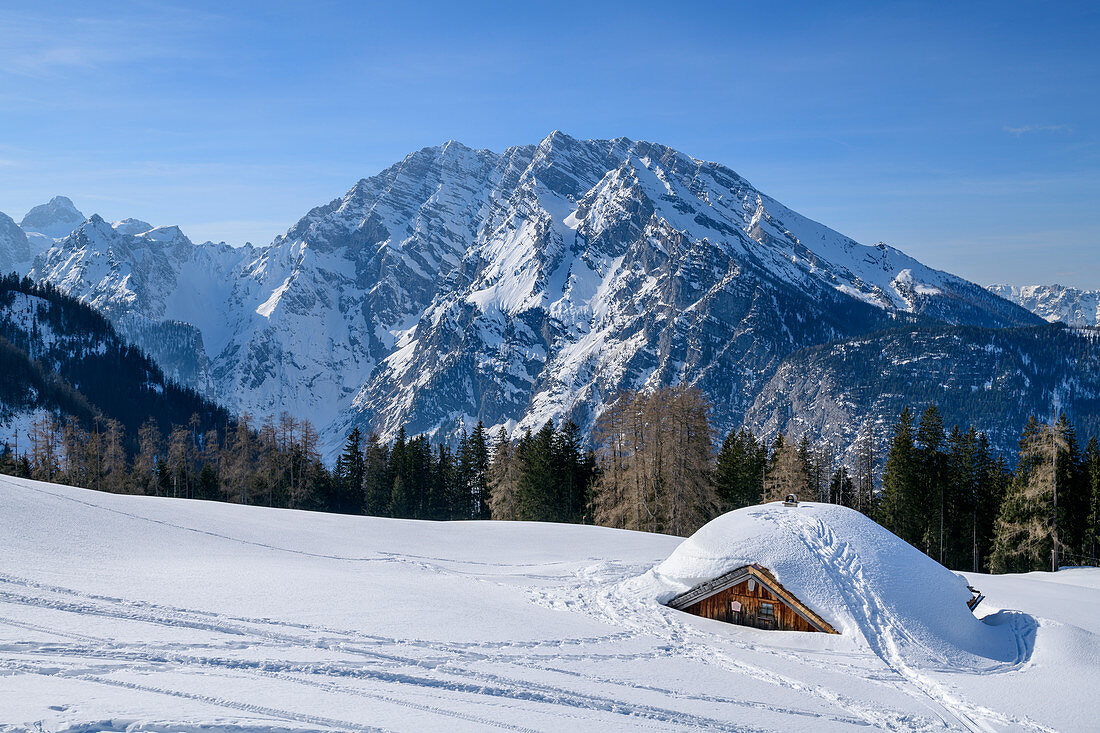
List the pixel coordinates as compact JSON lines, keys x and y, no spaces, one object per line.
{"x":650,"y":466}
{"x":276,"y":463}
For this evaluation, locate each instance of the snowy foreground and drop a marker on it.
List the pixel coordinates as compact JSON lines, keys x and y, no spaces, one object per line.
{"x":134,"y":613}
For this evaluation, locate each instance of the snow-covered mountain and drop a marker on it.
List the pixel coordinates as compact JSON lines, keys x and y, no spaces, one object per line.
{"x":55,"y":219}
{"x":39,"y":230}
{"x":1055,"y":302}
{"x":161,"y":291}
{"x":15,"y":250}
{"x":510,"y":287}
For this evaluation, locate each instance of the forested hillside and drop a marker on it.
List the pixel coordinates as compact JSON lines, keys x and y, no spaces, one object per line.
{"x":61,"y":356}
{"x":993,"y":379}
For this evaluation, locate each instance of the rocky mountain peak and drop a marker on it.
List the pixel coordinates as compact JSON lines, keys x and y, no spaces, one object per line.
{"x":514,"y":288}
{"x":132,"y":226}
{"x":56,"y":218}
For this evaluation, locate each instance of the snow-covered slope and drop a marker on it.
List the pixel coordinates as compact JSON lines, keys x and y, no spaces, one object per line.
{"x":512,"y":287}
{"x":1071,"y":306}
{"x":140,"y":613}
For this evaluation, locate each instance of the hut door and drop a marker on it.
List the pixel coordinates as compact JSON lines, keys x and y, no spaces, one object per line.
{"x":735,"y":612}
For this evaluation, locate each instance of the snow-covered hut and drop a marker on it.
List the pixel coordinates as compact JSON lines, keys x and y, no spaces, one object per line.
{"x":822,"y":567}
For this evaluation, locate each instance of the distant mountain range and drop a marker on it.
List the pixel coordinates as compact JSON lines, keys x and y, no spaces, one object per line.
{"x":514,"y":288}
{"x":1055,"y":302}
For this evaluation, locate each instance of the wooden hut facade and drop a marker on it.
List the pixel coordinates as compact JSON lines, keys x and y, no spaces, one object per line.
{"x":750,"y":596}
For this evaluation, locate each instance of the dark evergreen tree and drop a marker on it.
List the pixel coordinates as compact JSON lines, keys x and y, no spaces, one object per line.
{"x":930,"y":483}
{"x":442,"y":485}
{"x":841,"y":488}
{"x":377,"y":478}
{"x":739,"y":470}
{"x":960,"y":478}
{"x":898,"y":510}
{"x":1091,"y":546}
{"x":574,"y":474}
{"x":348,"y":476}
{"x":539,"y":488}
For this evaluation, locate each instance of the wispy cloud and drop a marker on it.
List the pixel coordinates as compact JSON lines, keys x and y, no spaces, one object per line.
{"x":1028,"y":129}
{"x":41,"y":47}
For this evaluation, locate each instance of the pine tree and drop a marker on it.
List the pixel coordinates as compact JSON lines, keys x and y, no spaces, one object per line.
{"x":441,"y":485}
{"x":401,"y":494}
{"x":377,"y":478}
{"x":960,"y":479}
{"x":349,"y":475}
{"x":1072,"y":490}
{"x":574,"y":473}
{"x":787,"y":473}
{"x":739,"y":470}
{"x":538,"y":489}
{"x":898,"y":510}
{"x":994,"y":478}
{"x":477,"y":472}
{"x":930,"y":483}
{"x":1091,"y":545}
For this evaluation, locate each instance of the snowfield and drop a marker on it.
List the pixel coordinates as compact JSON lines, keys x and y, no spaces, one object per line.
{"x":123,"y":613}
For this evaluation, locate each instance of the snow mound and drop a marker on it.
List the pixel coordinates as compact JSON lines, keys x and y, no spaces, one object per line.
{"x":861,"y":578}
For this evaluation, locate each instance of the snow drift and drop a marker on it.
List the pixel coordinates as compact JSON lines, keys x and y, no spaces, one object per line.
{"x":859,"y":577}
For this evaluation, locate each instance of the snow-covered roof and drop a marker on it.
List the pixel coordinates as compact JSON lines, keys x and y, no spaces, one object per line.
{"x":860,"y":578}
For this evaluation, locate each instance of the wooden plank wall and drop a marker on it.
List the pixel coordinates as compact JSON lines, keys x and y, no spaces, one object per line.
{"x":718,"y":607}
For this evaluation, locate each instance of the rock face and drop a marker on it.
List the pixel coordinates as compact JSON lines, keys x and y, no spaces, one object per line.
{"x":511,"y":287}
{"x":55,"y":219}
{"x":15,"y":251}
{"x":1055,"y":302}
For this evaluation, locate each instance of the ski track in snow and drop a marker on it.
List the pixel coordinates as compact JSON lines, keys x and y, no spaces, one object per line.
{"x":448,"y":659}
{"x":654,"y":668}
{"x":886,"y":636}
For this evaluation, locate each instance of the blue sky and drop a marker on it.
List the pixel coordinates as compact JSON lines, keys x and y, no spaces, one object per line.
{"x":966,"y":134}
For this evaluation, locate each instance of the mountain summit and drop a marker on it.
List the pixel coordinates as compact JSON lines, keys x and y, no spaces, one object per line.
{"x":56,"y":218}
{"x":461,"y":285}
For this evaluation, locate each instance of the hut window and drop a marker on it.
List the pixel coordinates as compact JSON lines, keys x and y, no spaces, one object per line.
{"x":767,"y":610}
{"x":752,"y":584}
